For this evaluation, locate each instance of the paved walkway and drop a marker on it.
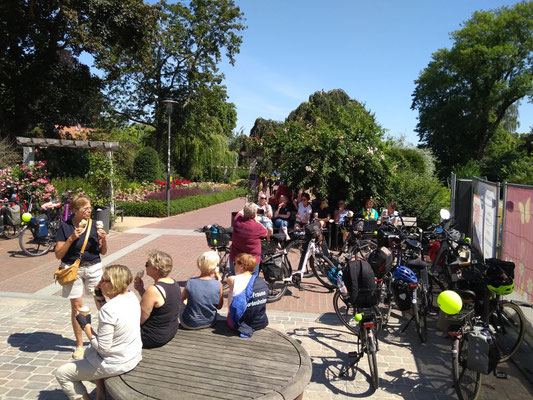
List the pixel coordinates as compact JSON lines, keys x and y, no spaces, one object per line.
{"x":36,"y":336}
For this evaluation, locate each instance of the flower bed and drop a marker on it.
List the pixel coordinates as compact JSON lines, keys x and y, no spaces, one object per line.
{"x":158,"y":208}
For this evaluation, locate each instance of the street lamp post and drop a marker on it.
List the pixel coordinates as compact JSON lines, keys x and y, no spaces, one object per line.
{"x":169,"y":103}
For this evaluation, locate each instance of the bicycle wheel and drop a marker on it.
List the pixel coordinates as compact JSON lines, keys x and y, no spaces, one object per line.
{"x":385,"y":300}
{"x":32,"y":245}
{"x":363,"y":248}
{"x":345,"y":312}
{"x":421,"y":319}
{"x":371,"y":350}
{"x":506,"y":322}
{"x":467,"y":383}
{"x":294,"y":253}
{"x":320,"y":265}
{"x":11,"y":231}
{"x":278,"y":288}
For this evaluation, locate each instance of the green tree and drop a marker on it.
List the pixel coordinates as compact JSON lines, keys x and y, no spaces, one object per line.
{"x":185,"y":49}
{"x":42,"y":82}
{"x":147,"y":167}
{"x":332,"y":145}
{"x":464,"y":93}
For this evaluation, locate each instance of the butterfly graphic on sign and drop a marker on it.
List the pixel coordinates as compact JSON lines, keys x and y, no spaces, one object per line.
{"x":525,"y":214}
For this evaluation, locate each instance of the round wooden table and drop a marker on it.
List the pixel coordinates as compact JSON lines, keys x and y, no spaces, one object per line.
{"x":216,"y":363}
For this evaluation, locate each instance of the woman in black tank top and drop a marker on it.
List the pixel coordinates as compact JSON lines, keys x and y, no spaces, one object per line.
{"x":160,"y":303}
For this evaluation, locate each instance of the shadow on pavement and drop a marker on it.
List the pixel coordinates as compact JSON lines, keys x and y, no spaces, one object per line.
{"x":52,"y":395}
{"x":40,"y":341}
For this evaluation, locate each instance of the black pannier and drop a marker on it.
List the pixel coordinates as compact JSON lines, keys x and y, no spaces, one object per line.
{"x":402,"y":294}
{"x":360,"y":282}
{"x":272,"y":268}
{"x":217,"y":235}
{"x":381,"y":261}
{"x":312,"y":231}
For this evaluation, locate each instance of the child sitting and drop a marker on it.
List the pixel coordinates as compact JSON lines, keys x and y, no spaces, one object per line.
{"x":202,"y":296}
{"x":247,"y":297}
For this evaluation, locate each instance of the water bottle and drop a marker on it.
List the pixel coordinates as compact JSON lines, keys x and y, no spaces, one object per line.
{"x":341,"y":286}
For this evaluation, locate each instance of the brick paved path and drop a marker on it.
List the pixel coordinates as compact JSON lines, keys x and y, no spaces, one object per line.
{"x":36,"y":337}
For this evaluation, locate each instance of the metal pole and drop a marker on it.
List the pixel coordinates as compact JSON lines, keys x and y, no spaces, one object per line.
{"x":168,"y":169}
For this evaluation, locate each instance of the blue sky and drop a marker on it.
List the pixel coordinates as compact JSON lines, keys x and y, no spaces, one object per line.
{"x":372,"y":49}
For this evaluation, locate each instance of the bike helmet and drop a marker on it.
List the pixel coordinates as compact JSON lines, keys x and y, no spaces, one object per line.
{"x":405,"y":274}
{"x":499,"y":282}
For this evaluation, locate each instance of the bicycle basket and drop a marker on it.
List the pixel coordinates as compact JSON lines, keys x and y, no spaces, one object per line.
{"x":312,"y":231}
{"x":216,"y":236}
{"x":272,"y":268}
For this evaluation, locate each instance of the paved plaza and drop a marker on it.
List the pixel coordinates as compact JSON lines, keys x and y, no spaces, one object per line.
{"x":36,"y":336}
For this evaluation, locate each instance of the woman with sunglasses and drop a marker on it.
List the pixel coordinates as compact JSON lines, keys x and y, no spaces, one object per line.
{"x":115,"y":347}
{"x":160,"y":303}
{"x":69,"y":242}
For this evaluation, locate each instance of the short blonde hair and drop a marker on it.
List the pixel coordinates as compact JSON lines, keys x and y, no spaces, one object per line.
{"x":160,"y":261}
{"x":120,"y":277}
{"x":79,"y":201}
{"x":247,"y":260}
{"x":207,"y":262}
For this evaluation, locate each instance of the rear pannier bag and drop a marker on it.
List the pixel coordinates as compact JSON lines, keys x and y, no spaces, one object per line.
{"x":483,"y":353}
{"x":381,"y":261}
{"x":312,"y":231}
{"x":272,"y":268}
{"x":402,"y":294}
{"x":360,"y":283}
{"x":13,"y":215}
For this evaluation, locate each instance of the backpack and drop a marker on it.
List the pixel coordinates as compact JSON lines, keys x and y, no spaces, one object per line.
{"x":360,"y":282}
{"x":483,"y":352}
{"x":313,"y":230}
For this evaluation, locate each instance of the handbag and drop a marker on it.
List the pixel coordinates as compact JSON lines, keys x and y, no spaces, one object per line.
{"x":70,"y":274}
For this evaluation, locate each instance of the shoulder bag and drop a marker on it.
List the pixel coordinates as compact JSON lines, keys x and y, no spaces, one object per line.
{"x":70,"y":274}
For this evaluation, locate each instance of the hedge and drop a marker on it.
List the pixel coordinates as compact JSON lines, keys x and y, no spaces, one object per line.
{"x":157,"y":208}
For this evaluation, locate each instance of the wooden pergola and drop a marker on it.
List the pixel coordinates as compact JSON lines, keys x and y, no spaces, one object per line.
{"x":29,"y":145}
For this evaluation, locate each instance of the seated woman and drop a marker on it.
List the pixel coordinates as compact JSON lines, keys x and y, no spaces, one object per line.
{"x":160,"y":303}
{"x":322,"y":213}
{"x":304,"y":210}
{"x":339,"y":217}
{"x":116,"y":347}
{"x":282,"y":216}
{"x":391,"y":215}
{"x":246,"y":298}
{"x":265,"y":216}
{"x":202,"y":296}
{"x":368,"y":212}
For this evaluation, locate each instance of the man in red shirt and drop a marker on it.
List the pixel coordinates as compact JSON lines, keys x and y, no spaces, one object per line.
{"x":247,"y":235}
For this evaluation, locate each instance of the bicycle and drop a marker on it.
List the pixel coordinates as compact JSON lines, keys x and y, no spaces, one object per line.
{"x":354,"y":244}
{"x":278,"y":271}
{"x":39,"y":233}
{"x":503,"y":319}
{"x":219,"y":240}
{"x":367,"y":343}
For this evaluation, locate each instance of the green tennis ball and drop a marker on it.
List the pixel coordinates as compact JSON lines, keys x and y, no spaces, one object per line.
{"x":450,"y":302}
{"x":375,"y":233}
{"x":366,"y":218}
{"x":26,"y":217}
{"x":215,"y":241}
{"x":467,"y":240}
{"x":358,"y":317}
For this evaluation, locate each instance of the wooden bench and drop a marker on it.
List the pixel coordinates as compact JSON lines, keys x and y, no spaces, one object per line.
{"x":409,"y":221}
{"x":215,"y":363}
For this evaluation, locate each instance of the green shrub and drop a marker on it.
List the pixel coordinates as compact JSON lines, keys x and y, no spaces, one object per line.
{"x":156,"y":208}
{"x":147,"y":165}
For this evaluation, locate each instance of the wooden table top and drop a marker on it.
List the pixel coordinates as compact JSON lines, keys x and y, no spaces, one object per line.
{"x":215,"y":363}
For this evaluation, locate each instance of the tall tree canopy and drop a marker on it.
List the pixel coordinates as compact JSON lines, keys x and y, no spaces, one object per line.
{"x":331,"y":144}
{"x":182,"y":62}
{"x":42,"y":81}
{"x":464,"y":93}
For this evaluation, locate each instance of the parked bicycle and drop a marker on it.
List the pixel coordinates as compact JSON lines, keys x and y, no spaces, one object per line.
{"x":367,"y":343}
{"x":491,"y":328}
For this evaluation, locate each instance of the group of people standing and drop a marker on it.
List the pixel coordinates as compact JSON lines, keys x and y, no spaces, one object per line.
{"x":127,"y":325}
